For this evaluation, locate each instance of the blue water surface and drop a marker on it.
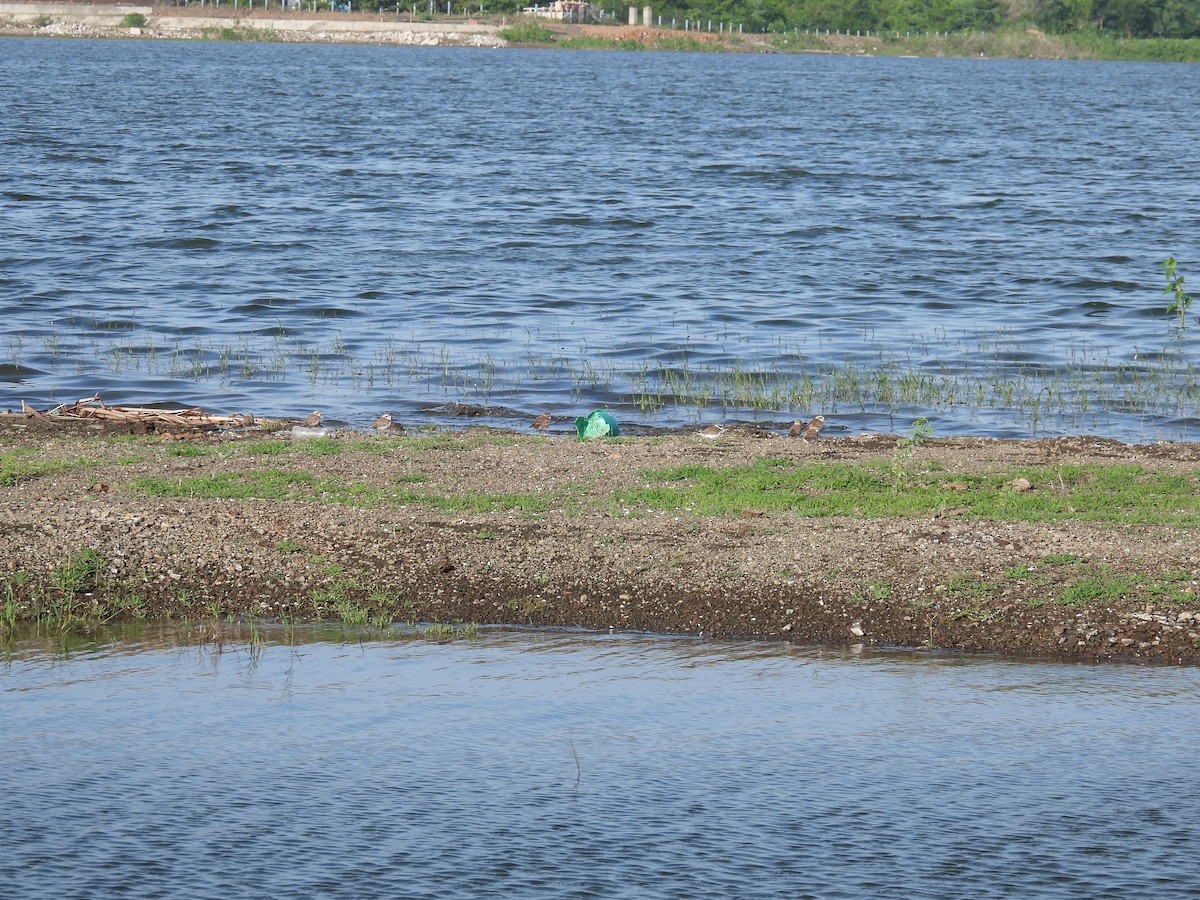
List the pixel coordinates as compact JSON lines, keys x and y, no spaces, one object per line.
{"x":679,"y":237}
{"x":162,"y":764}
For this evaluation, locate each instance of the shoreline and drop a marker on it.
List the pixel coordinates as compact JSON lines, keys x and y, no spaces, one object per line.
{"x":494,"y":527}
{"x":29,"y":18}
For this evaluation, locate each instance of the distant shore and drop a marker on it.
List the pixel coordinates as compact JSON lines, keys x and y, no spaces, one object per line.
{"x":224,"y":23}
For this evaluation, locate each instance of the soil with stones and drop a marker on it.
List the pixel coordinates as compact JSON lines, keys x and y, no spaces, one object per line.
{"x":580,"y":557}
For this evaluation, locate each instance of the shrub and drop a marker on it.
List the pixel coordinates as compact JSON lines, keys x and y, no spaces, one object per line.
{"x":527,"y":33}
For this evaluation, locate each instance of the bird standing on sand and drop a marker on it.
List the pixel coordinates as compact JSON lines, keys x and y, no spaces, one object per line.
{"x":542,"y":422}
{"x":711,"y":432}
{"x":312,"y":420}
{"x":808,"y":432}
{"x":385,"y":425}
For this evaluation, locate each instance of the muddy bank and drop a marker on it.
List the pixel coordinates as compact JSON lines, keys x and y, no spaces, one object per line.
{"x":488,"y":526}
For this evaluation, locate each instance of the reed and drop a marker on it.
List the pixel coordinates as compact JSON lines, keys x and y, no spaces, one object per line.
{"x":980,"y":372}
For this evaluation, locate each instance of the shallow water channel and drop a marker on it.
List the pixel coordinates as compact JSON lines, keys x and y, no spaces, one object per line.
{"x":317,"y":763}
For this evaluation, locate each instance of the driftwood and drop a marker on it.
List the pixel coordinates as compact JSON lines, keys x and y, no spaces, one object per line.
{"x":141,"y":416}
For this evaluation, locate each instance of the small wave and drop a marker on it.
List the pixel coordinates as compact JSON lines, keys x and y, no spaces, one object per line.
{"x":189,"y":243}
{"x":264,"y":304}
{"x":15,"y":372}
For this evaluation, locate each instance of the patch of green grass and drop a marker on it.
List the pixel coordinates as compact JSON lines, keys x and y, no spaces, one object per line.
{"x":269,"y":484}
{"x":80,"y":572}
{"x":1095,"y":590}
{"x":266,"y":448}
{"x":527,"y":33}
{"x":382,"y":446}
{"x":351,"y":612}
{"x":473,"y":501}
{"x":1125,"y":494}
{"x":240,"y":33}
{"x":970,"y":586}
{"x":1080,"y":584}
{"x":289,"y":546}
{"x":587,"y":42}
{"x":875,"y":591}
{"x":1061,"y":559}
{"x":190,"y":450}
{"x":13,"y":469}
{"x":278,"y":484}
{"x":326,"y":446}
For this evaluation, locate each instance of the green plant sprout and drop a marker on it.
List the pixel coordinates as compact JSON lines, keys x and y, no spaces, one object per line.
{"x":1175,"y":286}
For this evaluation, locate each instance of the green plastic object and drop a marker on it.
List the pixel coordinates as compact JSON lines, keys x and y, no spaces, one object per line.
{"x":599,"y":424}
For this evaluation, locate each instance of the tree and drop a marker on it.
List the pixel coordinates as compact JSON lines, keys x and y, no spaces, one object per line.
{"x":1132,"y":18}
{"x":1061,"y":16}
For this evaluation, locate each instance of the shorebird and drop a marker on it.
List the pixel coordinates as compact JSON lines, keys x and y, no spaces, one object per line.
{"x":711,"y":432}
{"x":810,"y":432}
{"x":385,"y":425}
{"x":312,"y":420}
{"x":542,"y":422}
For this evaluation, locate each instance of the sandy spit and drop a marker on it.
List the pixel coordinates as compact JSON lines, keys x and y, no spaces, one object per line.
{"x":557,"y":546}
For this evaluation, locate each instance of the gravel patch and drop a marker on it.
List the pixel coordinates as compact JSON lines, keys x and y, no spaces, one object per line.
{"x":497,"y":527}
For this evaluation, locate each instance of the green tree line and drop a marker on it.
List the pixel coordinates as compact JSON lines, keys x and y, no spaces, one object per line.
{"x":1119,"y":18}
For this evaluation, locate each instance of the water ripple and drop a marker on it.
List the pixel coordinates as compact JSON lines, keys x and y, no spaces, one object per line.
{"x":575,"y":765}
{"x":360,"y":245}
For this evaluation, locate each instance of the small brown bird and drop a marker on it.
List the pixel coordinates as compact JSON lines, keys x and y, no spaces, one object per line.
{"x":711,"y":432}
{"x":811,"y":431}
{"x":312,"y":420}
{"x":386,"y":425}
{"x":542,"y":422}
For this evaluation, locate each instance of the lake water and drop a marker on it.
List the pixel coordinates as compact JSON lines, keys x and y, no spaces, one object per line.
{"x":159,"y":762}
{"x":680,"y":237}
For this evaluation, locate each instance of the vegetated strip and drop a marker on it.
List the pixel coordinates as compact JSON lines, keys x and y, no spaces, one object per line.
{"x":1119,"y":494}
{"x":277,"y":484}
